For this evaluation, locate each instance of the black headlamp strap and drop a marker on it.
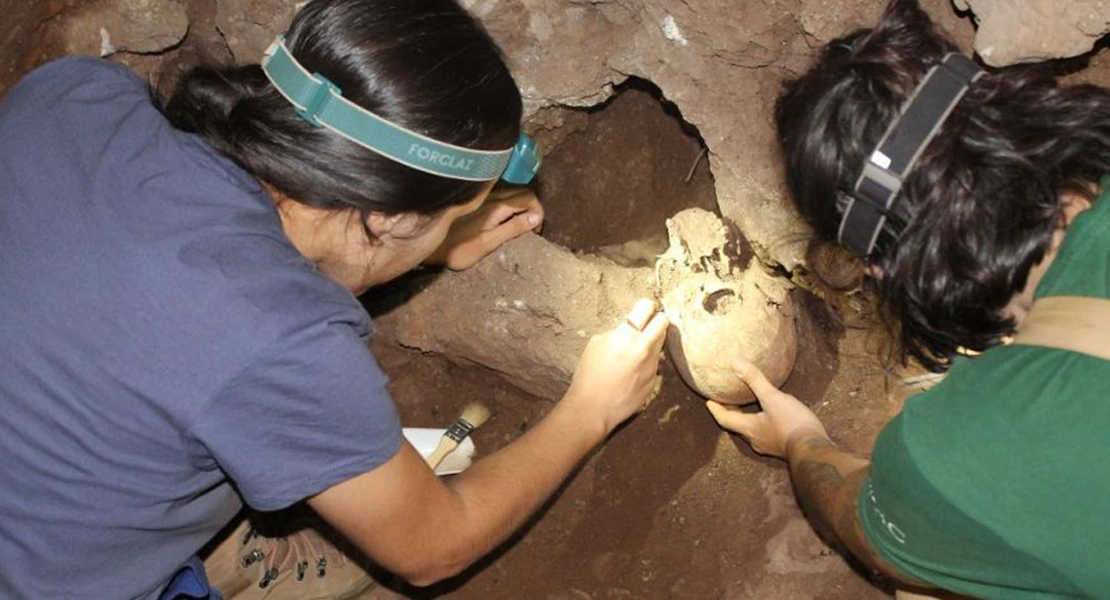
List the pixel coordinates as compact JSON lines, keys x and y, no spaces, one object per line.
{"x":879,"y":184}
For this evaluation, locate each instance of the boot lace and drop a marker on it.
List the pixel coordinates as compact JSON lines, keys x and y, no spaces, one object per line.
{"x":297,"y":552}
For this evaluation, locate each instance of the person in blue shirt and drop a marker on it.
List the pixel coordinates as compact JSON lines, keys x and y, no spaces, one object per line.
{"x":179,"y":314}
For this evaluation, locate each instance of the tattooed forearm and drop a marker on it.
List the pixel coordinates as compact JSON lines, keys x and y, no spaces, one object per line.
{"x":816,"y":478}
{"x":827,"y":482}
{"x":819,"y":485}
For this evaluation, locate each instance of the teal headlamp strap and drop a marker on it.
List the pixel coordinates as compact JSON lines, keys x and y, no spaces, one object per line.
{"x":321,"y":103}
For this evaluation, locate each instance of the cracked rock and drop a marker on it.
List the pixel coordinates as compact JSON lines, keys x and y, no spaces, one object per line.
{"x":249,"y":26}
{"x":135,"y":26}
{"x":1019,"y":31}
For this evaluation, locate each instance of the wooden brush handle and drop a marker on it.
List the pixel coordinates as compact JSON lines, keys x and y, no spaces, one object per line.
{"x":446,"y":445}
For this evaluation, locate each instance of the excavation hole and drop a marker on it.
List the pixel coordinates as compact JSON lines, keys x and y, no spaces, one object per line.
{"x":615,"y":172}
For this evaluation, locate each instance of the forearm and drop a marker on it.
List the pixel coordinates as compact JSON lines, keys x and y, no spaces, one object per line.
{"x":426,"y":529}
{"x":497,"y":494}
{"x":827,"y":481}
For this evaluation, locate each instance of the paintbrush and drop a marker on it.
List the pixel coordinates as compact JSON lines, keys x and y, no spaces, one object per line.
{"x":471,"y":418}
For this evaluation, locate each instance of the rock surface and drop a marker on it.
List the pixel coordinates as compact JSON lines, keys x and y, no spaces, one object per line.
{"x":136,"y":26}
{"x":249,"y":26}
{"x":1019,"y":31}
{"x":526,"y":312}
{"x":720,"y":61}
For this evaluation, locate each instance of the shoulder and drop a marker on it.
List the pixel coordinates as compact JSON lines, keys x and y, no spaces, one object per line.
{"x":86,"y":68}
{"x":979,"y":401}
{"x":75,"y":77}
{"x":1014,"y":417}
{"x":312,"y":401}
{"x":1082,"y":267}
{"x":286,"y":291}
{"x":954,"y":477}
{"x":74,"y":109}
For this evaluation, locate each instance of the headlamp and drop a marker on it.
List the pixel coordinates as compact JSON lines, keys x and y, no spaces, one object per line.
{"x":879,"y":185}
{"x":321,"y":103}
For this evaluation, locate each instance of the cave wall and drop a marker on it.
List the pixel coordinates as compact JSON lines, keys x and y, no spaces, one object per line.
{"x":1021,"y":31}
{"x":720,"y":61}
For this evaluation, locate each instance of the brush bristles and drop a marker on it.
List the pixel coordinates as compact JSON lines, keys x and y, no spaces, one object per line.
{"x":475,"y":414}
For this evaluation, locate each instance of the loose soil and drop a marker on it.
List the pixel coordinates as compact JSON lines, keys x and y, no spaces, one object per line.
{"x":670,"y":506}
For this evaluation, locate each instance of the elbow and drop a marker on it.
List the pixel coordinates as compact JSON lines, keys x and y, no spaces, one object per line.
{"x":430,"y":568}
{"x":424,"y":578}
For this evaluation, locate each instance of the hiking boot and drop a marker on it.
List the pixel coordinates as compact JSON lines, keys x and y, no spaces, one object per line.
{"x":301,"y":565}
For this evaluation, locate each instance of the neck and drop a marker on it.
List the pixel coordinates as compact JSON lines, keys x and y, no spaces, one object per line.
{"x":332,"y":240}
{"x":1021,"y":303}
{"x":1072,"y":205}
{"x":305,"y":227}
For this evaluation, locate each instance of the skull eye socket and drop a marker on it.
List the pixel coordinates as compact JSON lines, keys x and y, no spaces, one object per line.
{"x":718,"y":301}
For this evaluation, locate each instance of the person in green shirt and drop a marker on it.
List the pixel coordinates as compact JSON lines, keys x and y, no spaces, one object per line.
{"x":966,"y":196}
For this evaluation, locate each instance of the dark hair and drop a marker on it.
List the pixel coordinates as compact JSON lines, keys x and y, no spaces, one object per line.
{"x":426,"y":65}
{"x":978,"y":210}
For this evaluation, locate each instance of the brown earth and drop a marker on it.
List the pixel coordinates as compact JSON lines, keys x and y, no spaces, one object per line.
{"x":669,"y":507}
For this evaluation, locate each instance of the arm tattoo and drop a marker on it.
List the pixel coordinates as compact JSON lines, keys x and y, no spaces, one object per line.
{"x":818,"y":481}
{"x":827,"y":482}
{"x":818,"y":486}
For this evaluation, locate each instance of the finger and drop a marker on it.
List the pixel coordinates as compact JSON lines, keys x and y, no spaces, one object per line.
{"x":528,"y":203}
{"x":655,"y":332}
{"x":497,"y":213}
{"x":525,"y":200}
{"x":733,"y":419}
{"x":535,"y":219}
{"x":501,"y":214}
{"x":756,"y":380}
{"x":514,"y":227}
{"x":656,"y":387}
{"x":641,"y":313}
{"x":537,"y":216}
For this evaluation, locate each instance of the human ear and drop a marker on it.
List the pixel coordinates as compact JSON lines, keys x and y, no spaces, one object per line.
{"x":400,"y":226}
{"x":1072,"y":204}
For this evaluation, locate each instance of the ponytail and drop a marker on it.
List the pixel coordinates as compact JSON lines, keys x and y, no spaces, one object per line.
{"x":403,"y":60}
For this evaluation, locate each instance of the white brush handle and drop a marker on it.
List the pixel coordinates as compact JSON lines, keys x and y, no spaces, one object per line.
{"x":427,"y":440}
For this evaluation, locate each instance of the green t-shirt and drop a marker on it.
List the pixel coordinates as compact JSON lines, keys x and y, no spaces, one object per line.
{"x":996,"y":482}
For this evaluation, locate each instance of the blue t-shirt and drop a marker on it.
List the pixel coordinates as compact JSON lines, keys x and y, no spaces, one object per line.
{"x":163,"y":341}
